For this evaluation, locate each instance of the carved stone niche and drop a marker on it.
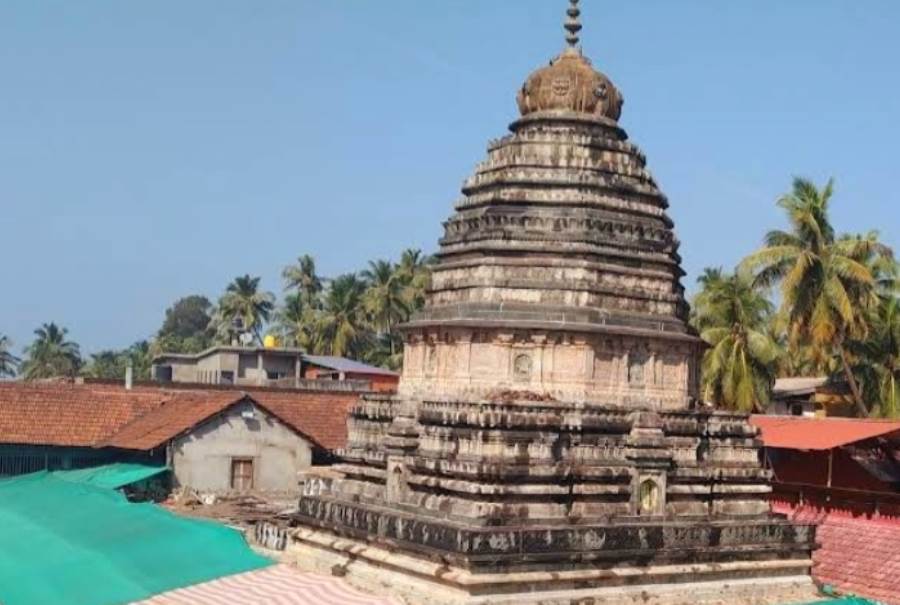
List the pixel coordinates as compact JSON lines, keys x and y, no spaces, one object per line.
{"x":637,"y":367}
{"x":648,"y":493}
{"x":396,"y":479}
{"x":522,"y":367}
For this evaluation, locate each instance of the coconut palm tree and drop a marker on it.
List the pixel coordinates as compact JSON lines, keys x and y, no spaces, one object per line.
{"x":878,"y":360}
{"x":341,"y":328}
{"x":297,"y":322}
{"x":302,"y":277}
{"x":732,"y":317}
{"x":385,"y":298}
{"x":51,"y":355}
{"x":414,"y":270}
{"x":244,"y":307}
{"x":9,"y":363}
{"x":826,"y":285}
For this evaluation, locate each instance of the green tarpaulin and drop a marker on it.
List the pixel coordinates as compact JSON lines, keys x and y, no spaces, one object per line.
{"x":111,"y":476}
{"x":65,"y":542}
{"x":845,"y":601}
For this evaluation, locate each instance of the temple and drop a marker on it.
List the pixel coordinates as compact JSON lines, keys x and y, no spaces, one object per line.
{"x":547,"y":444}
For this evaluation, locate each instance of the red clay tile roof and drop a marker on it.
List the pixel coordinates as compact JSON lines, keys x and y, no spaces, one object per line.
{"x":320,"y":416}
{"x":183,"y":412}
{"x":800,"y":433}
{"x":68,"y":414}
{"x":101,"y":415}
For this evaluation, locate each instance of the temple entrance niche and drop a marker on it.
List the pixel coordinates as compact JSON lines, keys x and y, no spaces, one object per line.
{"x":649,"y":497}
{"x":649,"y":494}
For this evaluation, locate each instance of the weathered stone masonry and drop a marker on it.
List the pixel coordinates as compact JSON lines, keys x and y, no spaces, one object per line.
{"x":547,"y":418}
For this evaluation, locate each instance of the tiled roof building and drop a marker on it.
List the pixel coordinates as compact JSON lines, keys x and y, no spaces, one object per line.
{"x":269,"y":435}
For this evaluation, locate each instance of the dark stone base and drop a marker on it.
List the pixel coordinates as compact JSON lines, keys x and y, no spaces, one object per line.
{"x":416,"y":580}
{"x":626,"y":541}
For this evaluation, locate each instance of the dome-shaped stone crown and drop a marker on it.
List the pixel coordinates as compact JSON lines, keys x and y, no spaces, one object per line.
{"x":570,"y":83}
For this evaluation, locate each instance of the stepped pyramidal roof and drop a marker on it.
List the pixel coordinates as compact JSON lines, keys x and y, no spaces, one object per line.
{"x":562,"y":223}
{"x":559,"y":265}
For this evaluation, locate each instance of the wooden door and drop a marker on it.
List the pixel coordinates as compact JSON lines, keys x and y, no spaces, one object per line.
{"x":242,"y":474}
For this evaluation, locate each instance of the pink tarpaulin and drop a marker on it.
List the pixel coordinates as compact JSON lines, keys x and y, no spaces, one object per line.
{"x":276,"y":585}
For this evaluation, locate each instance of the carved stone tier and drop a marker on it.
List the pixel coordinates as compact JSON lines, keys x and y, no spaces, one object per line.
{"x":536,"y":548}
{"x":497,"y":464}
{"x":558,"y":273}
{"x":491,"y":491}
{"x":615,"y":366}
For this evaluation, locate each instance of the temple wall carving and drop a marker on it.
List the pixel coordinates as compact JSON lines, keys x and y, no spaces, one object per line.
{"x":602,"y":369}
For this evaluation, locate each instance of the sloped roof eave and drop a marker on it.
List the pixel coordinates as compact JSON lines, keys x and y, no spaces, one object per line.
{"x":819,"y":434}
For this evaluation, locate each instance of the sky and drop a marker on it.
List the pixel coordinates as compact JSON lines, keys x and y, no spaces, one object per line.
{"x":152,"y":150}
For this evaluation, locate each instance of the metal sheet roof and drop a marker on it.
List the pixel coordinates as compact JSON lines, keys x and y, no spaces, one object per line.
{"x":793,"y":432}
{"x":342,"y":364}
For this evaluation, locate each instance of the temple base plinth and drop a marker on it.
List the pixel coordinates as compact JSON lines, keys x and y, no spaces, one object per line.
{"x":417,"y":580}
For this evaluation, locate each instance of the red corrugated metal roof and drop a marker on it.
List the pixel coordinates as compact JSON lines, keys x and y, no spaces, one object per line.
{"x":798,"y":433}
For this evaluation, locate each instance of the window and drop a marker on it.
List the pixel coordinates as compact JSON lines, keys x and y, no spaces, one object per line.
{"x":242,"y":474}
{"x":164,"y":373}
{"x":227,"y":377}
{"x":272,"y":375}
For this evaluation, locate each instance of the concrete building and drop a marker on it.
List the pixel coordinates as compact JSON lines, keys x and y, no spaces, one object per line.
{"x":269,"y":367}
{"x":232,"y":365}
{"x":231,"y":444}
{"x":816,"y":396}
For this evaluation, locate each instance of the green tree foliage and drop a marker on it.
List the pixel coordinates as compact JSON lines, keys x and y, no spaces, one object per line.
{"x":732,"y":316}
{"x":414,"y":270}
{"x":827,"y":284}
{"x":51,"y":355}
{"x":877,"y":360}
{"x":243,"y":308}
{"x":386,"y":299}
{"x":187,"y":327}
{"x":9,"y":363}
{"x":111,"y":364}
{"x":341,"y":327}
{"x":354,"y":315}
{"x":302,"y":280}
{"x":296,"y":321}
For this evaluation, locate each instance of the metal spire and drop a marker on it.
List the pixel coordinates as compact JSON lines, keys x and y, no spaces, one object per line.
{"x":573,"y":24}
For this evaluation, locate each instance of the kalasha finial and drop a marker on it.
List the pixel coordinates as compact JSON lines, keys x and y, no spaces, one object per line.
{"x":573,"y":24}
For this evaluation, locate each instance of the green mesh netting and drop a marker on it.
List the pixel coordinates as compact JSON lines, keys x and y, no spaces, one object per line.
{"x":112,"y":476}
{"x":842,"y":601}
{"x":69,"y":542}
{"x":845,"y":601}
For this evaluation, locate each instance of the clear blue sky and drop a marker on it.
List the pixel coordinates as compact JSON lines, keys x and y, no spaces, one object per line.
{"x":150,"y":150}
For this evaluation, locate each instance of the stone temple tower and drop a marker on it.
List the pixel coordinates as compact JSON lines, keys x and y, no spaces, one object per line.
{"x":546,"y":445}
{"x":559,"y":270}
